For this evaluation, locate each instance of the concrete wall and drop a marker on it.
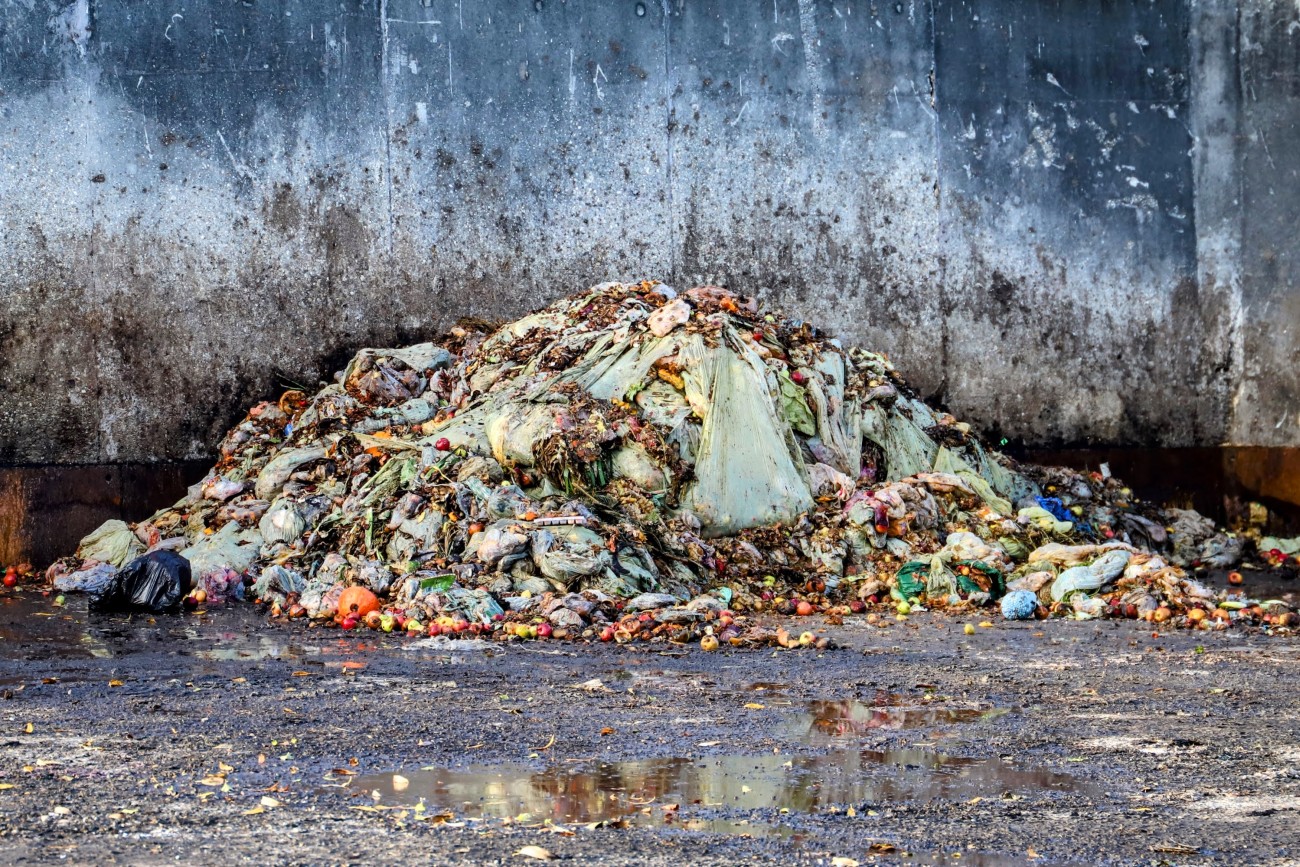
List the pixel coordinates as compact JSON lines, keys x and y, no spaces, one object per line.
{"x":1069,"y":222}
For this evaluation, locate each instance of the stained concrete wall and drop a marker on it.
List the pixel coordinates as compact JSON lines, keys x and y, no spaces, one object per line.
{"x":1069,"y":222}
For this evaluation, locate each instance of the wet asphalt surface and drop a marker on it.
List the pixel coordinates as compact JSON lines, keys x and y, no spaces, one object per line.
{"x":220,"y":738}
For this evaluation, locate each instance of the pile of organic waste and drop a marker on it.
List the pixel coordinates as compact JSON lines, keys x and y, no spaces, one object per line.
{"x":635,"y":463}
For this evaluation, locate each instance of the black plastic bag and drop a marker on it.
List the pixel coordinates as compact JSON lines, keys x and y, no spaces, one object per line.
{"x":155,"y":582}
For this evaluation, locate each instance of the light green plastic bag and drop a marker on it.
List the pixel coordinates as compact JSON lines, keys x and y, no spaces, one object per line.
{"x":111,"y":542}
{"x":745,"y":474}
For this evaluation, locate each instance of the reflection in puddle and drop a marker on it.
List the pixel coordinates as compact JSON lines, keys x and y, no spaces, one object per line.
{"x":734,"y":794}
{"x":765,"y":687}
{"x":32,"y":627}
{"x":827,"y":722}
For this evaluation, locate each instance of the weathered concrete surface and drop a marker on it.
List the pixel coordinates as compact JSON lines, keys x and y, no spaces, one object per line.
{"x":1269,"y":46}
{"x":1068,"y":225}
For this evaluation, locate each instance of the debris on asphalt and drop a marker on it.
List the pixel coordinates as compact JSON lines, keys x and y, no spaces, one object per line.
{"x":633,"y":463}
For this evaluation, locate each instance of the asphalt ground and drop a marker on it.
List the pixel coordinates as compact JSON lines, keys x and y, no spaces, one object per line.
{"x":224,"y":738}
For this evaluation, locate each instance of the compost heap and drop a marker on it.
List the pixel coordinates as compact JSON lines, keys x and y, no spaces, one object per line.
{"x":634,"y":463}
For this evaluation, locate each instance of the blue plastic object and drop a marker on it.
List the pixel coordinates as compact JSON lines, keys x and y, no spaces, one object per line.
{"x":1019,"y":604}
{"x":1056,"y":507}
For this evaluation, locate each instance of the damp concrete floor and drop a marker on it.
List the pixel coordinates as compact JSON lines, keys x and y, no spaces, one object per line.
{"x":221,"y":737}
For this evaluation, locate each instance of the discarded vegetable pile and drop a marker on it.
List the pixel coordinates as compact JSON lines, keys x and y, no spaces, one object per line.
{"x":632,"y":463}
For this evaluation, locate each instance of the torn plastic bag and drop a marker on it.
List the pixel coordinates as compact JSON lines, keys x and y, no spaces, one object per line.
{"x":415,"y":536}
{"x":277,"y":471}
{"x":480,"y":468}
{"x":483,"y":379}
{"x":412,"y":412}
{"x":1087,"y":579}
{"x":477,"y":606}
{"x":636,"y":570}
{"x":111,"y":542}
{"x":243,"y":512}
{"x":745,"y":474}
{"x":794,"y":405}
{"x":532,"y":584}
{"x":230,"y":546}
{"x":661,"y":403}
{"x":92,"y":580}
{"x":948,"y":461}
{"x":498,"y":544}
{"x":566,"y":553}
{"x":221,"y":489}
{"x":282,"y":522}
{"x":1011,"y":485}
{"x":331,"y":402}
{"x":390,"y":478}
{"x":375,"y":575}
{"x":391,"y":376}
{"x":1143,"y":531}
{"x":839,"y":416}
{"x":1087,"y":607}
{"x":565,"y":566}
{"x":964,"y":545}
{"x":651,"y":601}
{"x":899,"y":433}
{"x":1189,"y":529}
{"x":276,"y":583}
{"x":1222,"y":551}
{"x":513,"y":432}
{"x":467,"y":430}
{"x":575,"y":602}
{"x":937,"y":580}
{"x":824,"y":550}
{"x":860,"y":544}
{"x":316,"y":591}
{"x":618,"y":373}
{"x":1044,"y":520}
{"x":1074,"y":555}
{"x":1032,"y":581}
{"x":826,"y":481}
{"x":507,"y":501}
{"x":566,"y":618}
{"x":155,"y":582}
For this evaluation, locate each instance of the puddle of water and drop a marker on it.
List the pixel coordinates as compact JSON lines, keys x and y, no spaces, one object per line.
{"x":33,"y":628}
{"x":827,"y":722}
{"x":771,"y":688}
{"x":710,"y":794}
{"x":732,"y":794}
